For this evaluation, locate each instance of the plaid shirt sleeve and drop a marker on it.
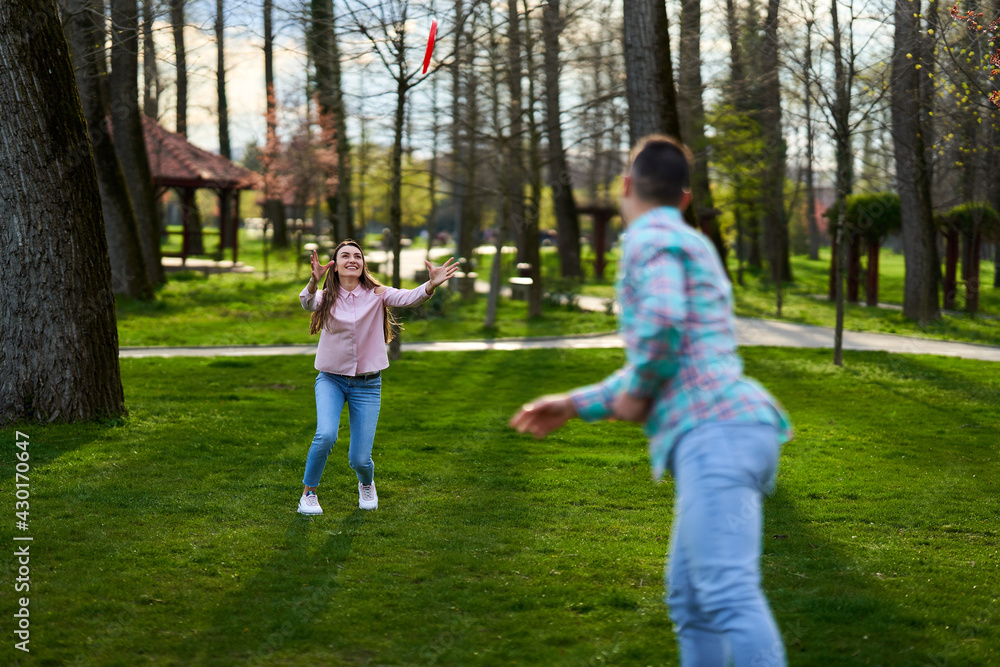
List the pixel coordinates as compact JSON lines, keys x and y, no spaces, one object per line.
{"x":652,"y":326}
{"x":655,"y":325}
{"x":593,"y":402}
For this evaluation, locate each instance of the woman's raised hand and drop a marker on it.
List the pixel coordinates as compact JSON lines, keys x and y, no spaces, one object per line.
{"x":443,"y":273}
{"x":319,"y":270}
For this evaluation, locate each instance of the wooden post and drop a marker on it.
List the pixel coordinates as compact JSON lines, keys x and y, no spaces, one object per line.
{"x":972,"y":274}
{"x":872,"y":287}
{"x":834,"y":251}
{"x":600,"y":233}
{"x":185,"y":218}
{"x":950,"y":268}
{"x":224,"y":221}
{"x":236,"y":224}
{"x":854,"y":268}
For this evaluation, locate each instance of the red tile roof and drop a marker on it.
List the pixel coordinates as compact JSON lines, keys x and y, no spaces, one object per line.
{"x":175,"y":162}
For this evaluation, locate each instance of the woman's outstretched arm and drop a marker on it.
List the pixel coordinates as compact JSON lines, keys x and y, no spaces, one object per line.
{"x":401,"y":298}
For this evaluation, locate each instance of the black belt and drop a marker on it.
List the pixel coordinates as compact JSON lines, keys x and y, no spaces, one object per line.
{"x":363,"y":376}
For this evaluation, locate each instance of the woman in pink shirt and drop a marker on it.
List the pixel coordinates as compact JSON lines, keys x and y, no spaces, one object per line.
{"x":351,"y":314}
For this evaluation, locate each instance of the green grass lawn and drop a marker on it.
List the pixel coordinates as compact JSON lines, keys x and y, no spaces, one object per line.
{"x":757,"y":299}
{"x":231,"y":309}
{"x":172,"y":538}
{"x":247,"y":309}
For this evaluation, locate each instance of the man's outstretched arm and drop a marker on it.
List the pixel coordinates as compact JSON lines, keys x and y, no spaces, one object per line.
{"x":652,"y":327}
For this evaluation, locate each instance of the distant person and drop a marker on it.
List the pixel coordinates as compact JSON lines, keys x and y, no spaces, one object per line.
{"x":351,"y":315}
{"x":718,"y":432}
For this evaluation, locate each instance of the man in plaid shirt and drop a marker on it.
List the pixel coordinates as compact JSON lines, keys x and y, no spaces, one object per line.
{"x":718,"y":433}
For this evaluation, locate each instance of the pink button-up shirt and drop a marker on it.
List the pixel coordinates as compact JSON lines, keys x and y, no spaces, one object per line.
{"x":354,"y":341}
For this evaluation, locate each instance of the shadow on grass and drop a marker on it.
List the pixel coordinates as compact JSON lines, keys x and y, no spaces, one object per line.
{"x":825,"y":603}
{"x":292,"y":588}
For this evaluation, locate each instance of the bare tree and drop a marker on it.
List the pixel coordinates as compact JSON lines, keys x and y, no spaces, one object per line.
{"x":773,"y":195}
{"x":150,"y":73}
{"x":195,"y":240}
{"x":274,"y":209}
{"x":567,"y":222}
{"x":128,"y":132}
{"x":84,"y":26}
{"x":840,"y":117}
{"x":177,"y":24}
{"x":59,"y":346}
{"x":693,"y":125}
{"x":807,"y":64}
{"x":502,"y":157}
{"x":385,"y":28}
{"x":920,"y":293}
{"x":533,"y":252}
{"x":333,"y":116}
{"x":527,"y":230}
{"x":220,"y":79}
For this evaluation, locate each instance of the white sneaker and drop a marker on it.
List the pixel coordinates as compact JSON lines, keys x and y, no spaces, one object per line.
{"x":367,"y":497}
{"x":309,"y":504}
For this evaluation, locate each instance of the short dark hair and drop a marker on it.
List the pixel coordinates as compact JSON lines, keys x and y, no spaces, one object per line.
{"x":660,"y":167}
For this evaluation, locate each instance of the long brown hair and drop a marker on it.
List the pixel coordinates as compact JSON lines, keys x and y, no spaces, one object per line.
{"x":331,"y":288}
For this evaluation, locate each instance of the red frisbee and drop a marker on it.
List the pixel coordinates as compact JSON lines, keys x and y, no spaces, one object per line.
{"x":430,"y":45}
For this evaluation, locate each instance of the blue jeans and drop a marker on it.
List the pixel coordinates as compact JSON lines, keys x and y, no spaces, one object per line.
{"x":363,"y":398}
{"x":721,"y":471}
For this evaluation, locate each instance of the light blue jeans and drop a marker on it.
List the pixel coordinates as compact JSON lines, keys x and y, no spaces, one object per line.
{"x":721,"y":471}
{"x":363,"y":398}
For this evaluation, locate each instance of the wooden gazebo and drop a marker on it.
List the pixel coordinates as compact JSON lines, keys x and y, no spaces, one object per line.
{"x":177,"y":164}
{"x":601,"y":213}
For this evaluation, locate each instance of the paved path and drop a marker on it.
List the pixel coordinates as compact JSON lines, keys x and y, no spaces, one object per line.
{"x":749,"y":332}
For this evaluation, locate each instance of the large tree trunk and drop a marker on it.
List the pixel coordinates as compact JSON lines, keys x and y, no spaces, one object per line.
{"x":737,"y":68}
{"x":128,"y":132}
{"x":567,"y":221}
{"x":150,"y":72}
{"x":773,"y":186}
{"x":273,"y":208}
{"x":652,"y":100}
{"x":84,"y":26}
{"x":59,"y":346}
{"x":920,"y":294}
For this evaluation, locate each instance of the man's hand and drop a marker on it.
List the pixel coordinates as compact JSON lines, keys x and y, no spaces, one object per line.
{"x":629,"y":408}
{"x":545,"y":415}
